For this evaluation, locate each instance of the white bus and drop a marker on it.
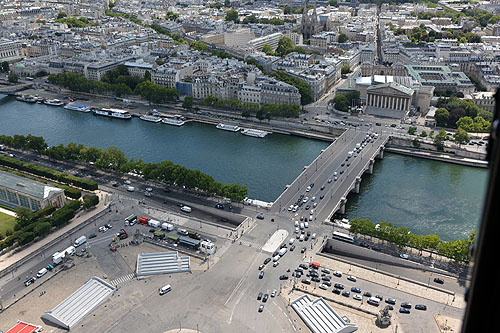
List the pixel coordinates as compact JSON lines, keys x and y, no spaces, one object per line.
{"x":343,"y":237}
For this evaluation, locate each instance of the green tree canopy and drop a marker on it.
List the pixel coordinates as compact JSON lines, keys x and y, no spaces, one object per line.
{"x":285,"y":46}
{"x":461,"y":136}
{"x":441,"y":115}
{"x":345,"y":69}
{"x":341,"y":102}
{"x":232,"y":15}
{"x":13,"y":78}
{"x":267,"y":49}
{"x":342,"y":37}
{"x":188,"y":102}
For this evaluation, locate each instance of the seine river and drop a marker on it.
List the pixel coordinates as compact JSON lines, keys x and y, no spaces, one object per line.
{"x":422,"y":195}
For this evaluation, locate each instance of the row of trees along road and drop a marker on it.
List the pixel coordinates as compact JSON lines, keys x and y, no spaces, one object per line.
{"x":457,"y":250}
{"x":112,"y":159}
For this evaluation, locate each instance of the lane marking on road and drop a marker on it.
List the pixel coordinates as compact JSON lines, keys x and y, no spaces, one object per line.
{"x":240,"y":282}
{"x":235,"y":304}
{"x":249,"y":231}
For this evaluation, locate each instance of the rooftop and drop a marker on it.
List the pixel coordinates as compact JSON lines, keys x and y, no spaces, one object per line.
{"x":27,"y":186}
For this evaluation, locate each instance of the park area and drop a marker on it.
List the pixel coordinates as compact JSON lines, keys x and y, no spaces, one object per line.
{"x":6,"y":222}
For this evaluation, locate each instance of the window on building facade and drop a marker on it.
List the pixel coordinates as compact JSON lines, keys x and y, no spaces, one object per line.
{"x":35,"y":204}
{"x":23,"y":200}
{"x":3,"y":194}
{"x":12,"y":197}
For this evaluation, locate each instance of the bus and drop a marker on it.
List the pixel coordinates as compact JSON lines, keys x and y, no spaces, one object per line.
{"x":343,"y":237}
{"x":131,"y":219}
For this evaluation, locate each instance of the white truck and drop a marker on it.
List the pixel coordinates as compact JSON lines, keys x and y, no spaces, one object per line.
{"x":80,"y":241}
{"x":70,"y":251}
{"x":58,"y":257}
{"x":167,"y":226}
{"x":153,"y":223}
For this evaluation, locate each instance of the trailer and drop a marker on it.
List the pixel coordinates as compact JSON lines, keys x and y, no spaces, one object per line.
{"x":192,"y":243}
{"x":167,"y":226}
{"x":154,"y":223}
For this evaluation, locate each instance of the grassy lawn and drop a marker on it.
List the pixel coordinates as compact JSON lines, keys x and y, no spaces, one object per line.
{"x":6,"y":222}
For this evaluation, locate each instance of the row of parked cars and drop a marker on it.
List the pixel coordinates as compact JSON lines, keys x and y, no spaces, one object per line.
{"x":313,"y":275}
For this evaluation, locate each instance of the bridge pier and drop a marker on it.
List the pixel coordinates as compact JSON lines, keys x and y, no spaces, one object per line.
{"x":370,"y":167}
{"x":356,"y":184}
{"x":343,"y":201}
{"x":381,"y":152}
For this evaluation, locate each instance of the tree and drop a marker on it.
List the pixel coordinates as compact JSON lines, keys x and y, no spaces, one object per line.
{"x":13,"y":78}
{"x":23,"y":216}
{"x":342,"y":37}
{"x":439,"y":140}
{"x":341,"y":102}
{"x":260,"y":114}
{"x":188,"y":102}
{"x":232,"y":15}
{"x":345,"y":69}
{"x":5,"y":67}
{"x":61,"y":15}
{"x":412,"y":130}
{"x":461,"y":136}
{"x":466,"y":123}
{"x":285,"y":46}
{"x":423,"y":134}
{"x":147,"y":76}
{"x":42,"y":228}
{"x":227,"y":3}
{"x":441,"y":115}
{"x":246,"y":113}
{"x":416,"y":143}
{"x":267,"y":49}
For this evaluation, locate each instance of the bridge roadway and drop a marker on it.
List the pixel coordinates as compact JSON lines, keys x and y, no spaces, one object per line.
{"x":322,"y":169}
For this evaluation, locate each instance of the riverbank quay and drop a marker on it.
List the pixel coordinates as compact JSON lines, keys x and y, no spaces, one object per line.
{"x":442,"y":157}
{"x":137,"y":108}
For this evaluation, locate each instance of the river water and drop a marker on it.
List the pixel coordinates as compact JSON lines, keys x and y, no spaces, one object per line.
{"x":424,"y":196}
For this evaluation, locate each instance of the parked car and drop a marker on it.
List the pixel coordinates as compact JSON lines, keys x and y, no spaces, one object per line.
{"x":261,"y":274}
{"x":390,"y":301}
{"x":367,"y":294}
{"x":356,"y":290}
{"x":339,"y":285}
{"x":274,"y":293}
{"x":323,"y":286}
{"x":306,"y":281}
{"x":439,"y":280}
{"x":406,"y":305}
{"x":92,"y":236}
{"x":336,"y":291}
{"x":259,"y":296}
{"x":421,"y":307}
{"x":267,"y":260}
{"x":284,"y":277}
{"x":404,"y":310}
{"x":346,"y":293}
{"x":351,"y":278}
{"x":357,"y":297}
{"x":337,"y":274}
{"x":261,"y":308}
{"x":261,"y":267}
{"x":264,"y":299}
{"x":29,"y":281}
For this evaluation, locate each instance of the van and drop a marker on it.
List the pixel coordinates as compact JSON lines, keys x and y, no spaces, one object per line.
{"x":276,"y":258}
{"x":296,"y":230}
{"x":374,"y":301}
{"x":306,"y":225}
{"x":296,"y":223}
{"x":291,"y":241}
{"x":302,"y":226}
{"x":41,"y":273}
{"x":183,"y":232}
{"x":186,"y":209}
{"x":282,"y":251}
{"x":166,"y":289}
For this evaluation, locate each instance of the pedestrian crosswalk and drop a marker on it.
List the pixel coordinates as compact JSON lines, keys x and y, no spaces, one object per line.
{"x":243,"y":242}
{"x":122,"y":279}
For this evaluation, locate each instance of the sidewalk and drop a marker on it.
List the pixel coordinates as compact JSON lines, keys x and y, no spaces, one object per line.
{"x":8,"y":212}
{"x":12,"y":257}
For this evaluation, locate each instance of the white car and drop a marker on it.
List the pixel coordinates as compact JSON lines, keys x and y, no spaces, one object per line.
{"x":148,"y":194}
{"x":315,"y":204}
{"x":313,"y":198}
{"x":351,"y":278}
{"x":329,"y":181}
{"x":310,"y":218}
{"x":294,"y":209}
{"x":311,"y":212}
{"x":337,"y":273}
{"x":130,"y":189}
{"x":276,"y":264}
{"x":357,"y":297}
{"x":404,"y":256}
{"x":149,"y":189}
{"x":127,"y":182}
{"x":323,"y":286}
{"x":308,"y":188}
{"x":296,"y":230}
{"x":290,"y":208}
{"x":103,"y":229}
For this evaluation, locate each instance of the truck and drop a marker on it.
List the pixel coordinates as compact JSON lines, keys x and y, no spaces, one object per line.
{"x":207,"y":247}
{"x":70,"y":251}
{"x":186,"y":209}
{"x":153,"y":223}
{"x":143,"y":220}
{"x":58,"y":257}
{"x":194,"y":235}
{"x":122,"y":234}
{"x":80,"y":241}
{"x":167,"y":226}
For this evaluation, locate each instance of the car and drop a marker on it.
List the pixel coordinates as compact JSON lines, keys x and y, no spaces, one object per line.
{"x":325,"y":277}
{"x":393,"y":125}
{"x":390,"y":301}
{"x":390,"y":307}
{"x":376,"y":248}
{"x":351,"y":278}
{"x":329,"y":181}
{"x":130,"y":189}
{"x":261,"y":308}
{"x":378,"y":124}
{"x":267,"y":260}
{"x":357,"y":297}
{"x":311,"y":212}
{"x":310,"y":218}
{"x":260,"y":216}
{"x":283,"y":245}
{"x":152,"y":230}
{"x":292,"y":247}
{"x":261,"y":274}
{"x":115,"y":184}
{"x":221,"y":206}
{"x":127,"y":182}
{"x":403,"y":310}
{"x":304,"y":266}
{"x":103,"y":229}
{"x":149,"y":189}
{"x":439,"y":280}
{"x":341,"y":171}
{"x":406,"y":305}
{"x":29,"y":281}
{"x":148,"y":194}
{"x":356,"y":290}
{"x":315,"y":279}
{"x":273,"y":293}
{"x":339,"y":285}
{"x":283,"y":277}
{"x":321,"y":197}
{"x":306,"y":281}
{"x":261,"y":267}
{"x":307,"y":207}
{"x":303,"y":250}
{"x":337,"y":273}
{"x":313,"y":198}
{"x":109,"y":226}
{"x":421,"y":307}
{"x":379,"y":297}
{"x":367,"y":294}
{"x":364,"y":244}
{"x":308,"y":188}
{"x":404,"y":256}
{"x":264,"y":299}
{"x":275,"y":264}
{"x":343,"y":164}
{"x":323,"y":286}
{"x":346,"y":293}
{"x":259,"y":296}
{"x":322,"y":188}
{"x":302,"y":218}
{"x":336,"y":291}
{"x":315,"y":204}
{"x":92,"y":236}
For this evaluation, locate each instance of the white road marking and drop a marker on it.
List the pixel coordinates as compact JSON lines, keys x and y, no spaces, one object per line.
{"x":249,"y":231}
